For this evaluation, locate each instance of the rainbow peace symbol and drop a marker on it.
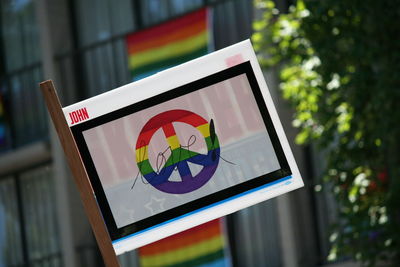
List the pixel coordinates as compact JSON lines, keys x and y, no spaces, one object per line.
{"x":180,"y":155}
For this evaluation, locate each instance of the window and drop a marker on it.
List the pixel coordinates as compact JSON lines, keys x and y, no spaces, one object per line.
{"x":155,"y":11}
{"x":28,"y":224}
{"x":21,"y":71}
{"x":101,"y":19}
{"x":10,"y":225}
{"x":102,"y":47}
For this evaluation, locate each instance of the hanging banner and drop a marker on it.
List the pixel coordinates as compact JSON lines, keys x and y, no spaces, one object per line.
{"x":169,"y":44}
{"x":183,"y":147}
{"x":203,"y":245}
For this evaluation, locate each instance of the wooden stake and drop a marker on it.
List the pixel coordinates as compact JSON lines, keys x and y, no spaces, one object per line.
{"x":79,"y":172}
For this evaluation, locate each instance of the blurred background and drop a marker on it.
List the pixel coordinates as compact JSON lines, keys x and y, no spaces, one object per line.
{"x":312,"y":53}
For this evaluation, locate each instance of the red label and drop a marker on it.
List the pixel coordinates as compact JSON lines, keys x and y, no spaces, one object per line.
{"x":78,"y":115}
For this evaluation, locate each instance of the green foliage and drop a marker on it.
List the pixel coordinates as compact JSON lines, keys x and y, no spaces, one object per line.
{"x":339,"y":62}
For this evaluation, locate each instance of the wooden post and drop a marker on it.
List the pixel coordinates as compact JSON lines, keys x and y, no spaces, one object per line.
{"x":79,"y":172}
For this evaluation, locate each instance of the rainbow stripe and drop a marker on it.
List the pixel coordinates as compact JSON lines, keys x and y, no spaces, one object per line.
{"x":203,"y":245}
{"x":168,"y":44}
{"x":172,"y":140}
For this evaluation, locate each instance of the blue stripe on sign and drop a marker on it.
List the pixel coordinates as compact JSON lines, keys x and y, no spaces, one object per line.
{"x":207,"y":207}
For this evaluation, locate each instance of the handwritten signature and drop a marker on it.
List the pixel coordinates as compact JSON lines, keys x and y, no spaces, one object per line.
{"x":162,"y":158}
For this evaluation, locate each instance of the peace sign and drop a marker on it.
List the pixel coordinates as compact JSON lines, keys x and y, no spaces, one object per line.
{"x":180,"y":155}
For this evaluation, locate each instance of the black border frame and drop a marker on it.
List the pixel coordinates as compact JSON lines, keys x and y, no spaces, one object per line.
{"x":117,"y":233}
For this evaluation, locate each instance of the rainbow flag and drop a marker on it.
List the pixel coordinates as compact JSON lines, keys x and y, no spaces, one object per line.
{"x":204,"y":245}
{"x":168,"y":44}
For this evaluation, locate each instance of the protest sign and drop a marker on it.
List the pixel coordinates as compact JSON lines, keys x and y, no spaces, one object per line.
{"x":182,"y":147}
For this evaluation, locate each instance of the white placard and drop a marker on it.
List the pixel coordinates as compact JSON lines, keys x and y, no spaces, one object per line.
{"x":183,"y":147}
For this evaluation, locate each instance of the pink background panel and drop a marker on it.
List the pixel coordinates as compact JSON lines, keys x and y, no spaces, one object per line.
{"x":230,"y":104}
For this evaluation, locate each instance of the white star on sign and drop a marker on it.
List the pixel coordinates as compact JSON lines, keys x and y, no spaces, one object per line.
{"x":155,"y":205}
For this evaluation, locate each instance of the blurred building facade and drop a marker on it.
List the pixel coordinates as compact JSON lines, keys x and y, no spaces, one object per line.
{"x":80,"y":44}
